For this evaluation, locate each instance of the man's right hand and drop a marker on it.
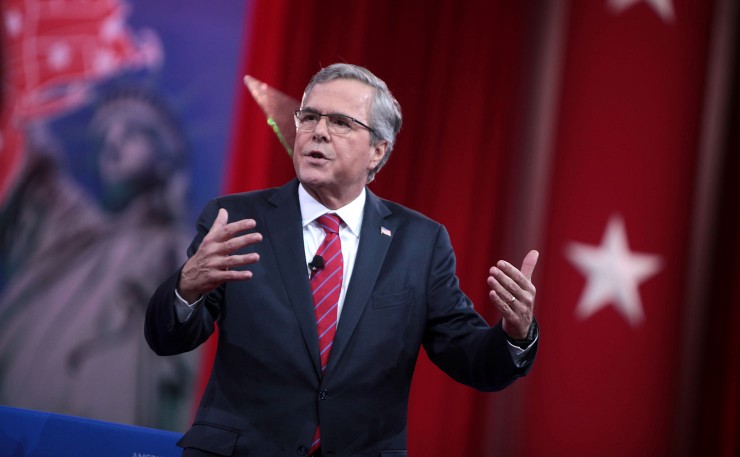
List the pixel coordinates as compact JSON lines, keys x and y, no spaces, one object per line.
{"x":212,"y":265}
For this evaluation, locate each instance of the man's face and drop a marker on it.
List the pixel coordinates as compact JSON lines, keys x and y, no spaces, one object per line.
{"x":334,"y":168}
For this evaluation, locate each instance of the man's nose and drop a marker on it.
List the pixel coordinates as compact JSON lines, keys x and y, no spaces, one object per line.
{"x":321,"y":130}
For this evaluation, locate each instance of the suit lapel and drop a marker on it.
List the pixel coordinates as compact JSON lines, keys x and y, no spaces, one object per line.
{"x":371,"y":253}
{"x":284,"y":228}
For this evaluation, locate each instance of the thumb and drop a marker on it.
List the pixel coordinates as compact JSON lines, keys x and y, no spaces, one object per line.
{"x":530,"y":261}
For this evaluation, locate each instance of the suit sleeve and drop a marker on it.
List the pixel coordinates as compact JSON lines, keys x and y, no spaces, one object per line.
{"x":164,"y":333}
{"x":458,"y":340}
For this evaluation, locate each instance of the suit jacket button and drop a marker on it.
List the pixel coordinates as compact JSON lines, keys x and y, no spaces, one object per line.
{"x":302,"y":450}
{"x":323,"y":394}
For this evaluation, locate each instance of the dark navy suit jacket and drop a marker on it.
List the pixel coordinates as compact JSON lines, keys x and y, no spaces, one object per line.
{"x":266,"y":393}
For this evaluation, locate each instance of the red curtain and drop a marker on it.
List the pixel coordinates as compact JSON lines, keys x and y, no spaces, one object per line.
{"x":623,"y":181}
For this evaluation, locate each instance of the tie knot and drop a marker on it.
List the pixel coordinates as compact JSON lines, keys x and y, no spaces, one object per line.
{"x":330,"y":223}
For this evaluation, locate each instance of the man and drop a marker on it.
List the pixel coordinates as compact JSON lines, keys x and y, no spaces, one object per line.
{"x":321,"y":318}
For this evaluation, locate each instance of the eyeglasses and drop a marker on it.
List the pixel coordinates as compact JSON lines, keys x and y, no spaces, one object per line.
{"x":339,"y":124}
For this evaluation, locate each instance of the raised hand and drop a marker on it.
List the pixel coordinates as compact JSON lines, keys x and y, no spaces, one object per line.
{"x":513,"y":293}
{"x":213,"y":263}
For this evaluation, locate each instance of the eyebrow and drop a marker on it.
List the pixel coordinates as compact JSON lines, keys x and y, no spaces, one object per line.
{"x":314,"y":110}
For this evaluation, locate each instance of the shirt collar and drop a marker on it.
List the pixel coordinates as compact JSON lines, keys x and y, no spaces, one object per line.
{"x":350,"y":213}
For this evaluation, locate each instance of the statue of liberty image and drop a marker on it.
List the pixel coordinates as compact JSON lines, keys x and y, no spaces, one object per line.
{"x":80,"y":271}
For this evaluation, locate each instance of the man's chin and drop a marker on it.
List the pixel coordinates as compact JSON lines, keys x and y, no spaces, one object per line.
{"x":311,"y":176}
{"x":312,"y":185}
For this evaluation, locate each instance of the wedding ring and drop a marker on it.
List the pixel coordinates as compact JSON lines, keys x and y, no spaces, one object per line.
{"x":513,"y":299}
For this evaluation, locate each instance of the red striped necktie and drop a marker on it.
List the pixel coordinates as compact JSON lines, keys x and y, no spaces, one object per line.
{"x":326,"y":285}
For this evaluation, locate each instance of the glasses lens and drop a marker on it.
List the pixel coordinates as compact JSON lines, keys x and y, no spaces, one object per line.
{"x":306,"y":120}
{"x":339,"y":123}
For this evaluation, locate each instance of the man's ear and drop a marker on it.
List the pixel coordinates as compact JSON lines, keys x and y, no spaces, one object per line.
{"x":378,"y":152}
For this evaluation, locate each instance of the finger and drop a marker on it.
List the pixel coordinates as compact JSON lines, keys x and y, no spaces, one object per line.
{"x":225,"y":231}
{"x":221,"y":219}
{"x":232,"y":229}
{"x":239,"y":242}
{"x":523,"y":300}
{"x":236,"y":261}
{"x":501,"y":305}
{"x":516,"y":316}
{"x":512,"y":278}
{"x":530,"y":261}
{"x":503,"y":292}
{"x":232,"y":275}
{"x":229,"y":268}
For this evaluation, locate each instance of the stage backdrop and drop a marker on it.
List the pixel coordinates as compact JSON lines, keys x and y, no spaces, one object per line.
{"x":598,"y":132}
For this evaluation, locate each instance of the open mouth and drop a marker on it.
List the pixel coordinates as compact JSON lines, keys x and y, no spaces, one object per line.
{"x":316,"y":155}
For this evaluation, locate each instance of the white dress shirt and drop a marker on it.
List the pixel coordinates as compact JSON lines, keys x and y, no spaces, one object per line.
{"x":349,"y":232}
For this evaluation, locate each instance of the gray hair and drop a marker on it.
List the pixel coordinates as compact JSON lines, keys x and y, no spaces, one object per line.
{"x":385,"y":111}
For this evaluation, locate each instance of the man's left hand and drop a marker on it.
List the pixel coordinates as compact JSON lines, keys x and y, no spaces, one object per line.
{"x":512,"y":292}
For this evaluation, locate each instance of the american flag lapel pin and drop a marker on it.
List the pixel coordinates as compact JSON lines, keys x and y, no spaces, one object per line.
{"x":385,"y":231}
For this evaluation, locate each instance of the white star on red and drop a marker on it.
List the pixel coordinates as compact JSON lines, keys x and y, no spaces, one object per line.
{"x":613,"y":273}
{"x":60,"y":55}
{"x":663,"y":8}
{"x":13,"y":23}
